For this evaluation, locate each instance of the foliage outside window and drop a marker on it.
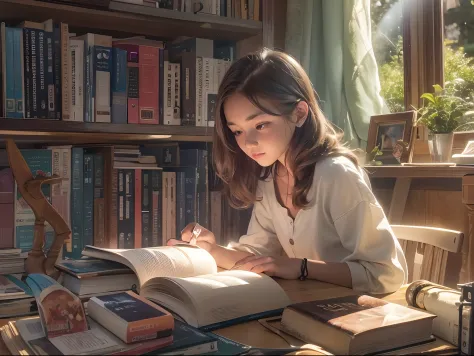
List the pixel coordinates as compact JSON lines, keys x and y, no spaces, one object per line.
{"x":458,"y":49}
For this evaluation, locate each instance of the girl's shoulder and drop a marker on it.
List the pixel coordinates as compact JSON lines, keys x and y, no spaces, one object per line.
{"x":336,"y":173}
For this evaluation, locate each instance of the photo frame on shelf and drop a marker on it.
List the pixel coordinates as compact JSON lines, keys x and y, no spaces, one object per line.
{"x":393,"y":135}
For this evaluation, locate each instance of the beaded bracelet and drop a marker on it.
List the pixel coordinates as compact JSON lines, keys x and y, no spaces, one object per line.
{"x":304,"y":269}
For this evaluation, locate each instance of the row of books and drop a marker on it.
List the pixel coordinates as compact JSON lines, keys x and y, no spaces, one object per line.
{"x":239,"y":9}
{"x":109,"y":198}
{"x":50,"y":73}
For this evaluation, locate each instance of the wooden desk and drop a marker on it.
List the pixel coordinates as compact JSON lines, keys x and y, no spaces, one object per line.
{"x":436,"y":199}
{"x":254,"y":334}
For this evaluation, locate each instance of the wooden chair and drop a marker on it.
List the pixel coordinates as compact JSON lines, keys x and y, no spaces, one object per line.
{"x":427,"y":249}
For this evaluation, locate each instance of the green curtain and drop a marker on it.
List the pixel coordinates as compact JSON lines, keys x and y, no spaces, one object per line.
{"x":332,"y":40}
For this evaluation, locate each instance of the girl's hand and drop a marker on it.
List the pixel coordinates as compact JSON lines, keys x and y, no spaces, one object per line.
{"x":283,"y":267}
{"x":195,"y":234}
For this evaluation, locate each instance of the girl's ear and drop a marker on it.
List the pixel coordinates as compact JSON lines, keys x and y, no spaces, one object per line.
{"x":301,"y":113}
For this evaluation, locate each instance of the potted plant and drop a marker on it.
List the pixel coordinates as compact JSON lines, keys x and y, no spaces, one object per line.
{"x":442,"y":113}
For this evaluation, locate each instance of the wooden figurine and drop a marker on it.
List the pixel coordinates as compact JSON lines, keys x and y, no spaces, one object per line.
{"x":30,"y":188}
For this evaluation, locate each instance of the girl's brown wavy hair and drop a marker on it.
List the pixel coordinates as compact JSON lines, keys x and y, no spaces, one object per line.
{"x":276,"y":77}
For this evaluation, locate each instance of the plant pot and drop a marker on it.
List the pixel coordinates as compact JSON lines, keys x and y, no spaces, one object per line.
{"x":441,"y":146}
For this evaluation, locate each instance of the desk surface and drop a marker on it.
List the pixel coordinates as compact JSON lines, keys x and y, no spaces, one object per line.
{"x":253,"y":333}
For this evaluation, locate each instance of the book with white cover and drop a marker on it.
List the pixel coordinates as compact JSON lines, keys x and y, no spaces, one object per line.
{"x":184,"y":280}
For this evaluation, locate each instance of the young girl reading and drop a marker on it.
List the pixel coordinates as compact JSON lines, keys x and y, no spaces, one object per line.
{"x":314,"y":214}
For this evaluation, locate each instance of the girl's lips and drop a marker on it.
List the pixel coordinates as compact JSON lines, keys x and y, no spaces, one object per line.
{"x":257,"y":155}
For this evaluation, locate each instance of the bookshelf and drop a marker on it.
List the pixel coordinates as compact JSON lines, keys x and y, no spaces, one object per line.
{"x":123,"y":20}
{"x":139,"y":20}
{"x":94,"y":132}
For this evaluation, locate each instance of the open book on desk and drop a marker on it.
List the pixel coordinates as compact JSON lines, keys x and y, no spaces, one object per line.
{"x":184,"y":280}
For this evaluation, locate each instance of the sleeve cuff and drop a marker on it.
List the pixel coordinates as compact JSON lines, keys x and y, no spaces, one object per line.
{"x":360,"y":280}
{"x":243,"y":247}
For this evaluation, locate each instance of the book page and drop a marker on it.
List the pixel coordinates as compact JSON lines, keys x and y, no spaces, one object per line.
{"x":163,"y":261}
{"x":225,"y":295}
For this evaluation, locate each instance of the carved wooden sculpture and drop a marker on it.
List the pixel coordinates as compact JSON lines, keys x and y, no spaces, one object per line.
{"x":30,"y":189}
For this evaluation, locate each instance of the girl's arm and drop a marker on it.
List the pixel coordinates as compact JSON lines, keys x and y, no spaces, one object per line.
{"x":226,"y":257}
{"x":330,"y":272}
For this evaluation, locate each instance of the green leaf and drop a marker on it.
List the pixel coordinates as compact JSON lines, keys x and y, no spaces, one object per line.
{"x":428,"y":96}
{"x":438,"y":89}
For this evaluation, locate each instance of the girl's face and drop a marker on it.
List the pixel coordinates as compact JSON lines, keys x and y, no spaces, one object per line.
{"x":264,"y":138}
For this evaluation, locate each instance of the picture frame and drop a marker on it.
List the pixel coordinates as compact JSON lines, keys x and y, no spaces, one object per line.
{"x":393,"y":135}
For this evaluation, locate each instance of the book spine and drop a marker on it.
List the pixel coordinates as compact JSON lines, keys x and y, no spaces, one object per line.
{"x":207,"y":88}
{"x":57,"y":72}
{"x":27,"y":72}
{"x":121,"y":208}
{"x":34,"y":73}
{"x":102,"y":68}
{"x":138,"y":209}
{"x":133,"y":96}
{"x":65,"y":73}
{"x":180,"y":203}
{"x":51,"y":114}
{"x":88,"y":189}
{"x":56,"y":196}
{"x":146,"y":208}
{"x":77,"y":80}
{"x":171,"y":207}
{"x":199,"y":103}
{"x":168,"y":103}
{"x":42,"y":59}
{"x":157,"y":207}
{"x":99,"y":201}
{"x":164,"y":211}
{"x":77,"y":207}
{"x":129,"y":208}
{"x":119,"y":86}
{"x":66,"y":184}
{"x":112,"y":225}
{"x":18,"y":72}
{"x":161,"y":85}
{"x":188,"y":88}
{"x":88,"y":53}
{"x":176,"y":94}
{"x":148,"y":85}
{"x":8,"y":71}
{"x":191,"y":192}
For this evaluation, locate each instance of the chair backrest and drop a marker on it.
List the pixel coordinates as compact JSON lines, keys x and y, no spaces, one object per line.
{"x":427,"y":250}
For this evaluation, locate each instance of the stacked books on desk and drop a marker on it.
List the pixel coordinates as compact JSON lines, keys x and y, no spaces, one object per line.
{"x":179,"y":282}
{"x":14,"y":299}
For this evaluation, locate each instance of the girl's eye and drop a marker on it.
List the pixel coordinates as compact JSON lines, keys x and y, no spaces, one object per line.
{"x":261,"y":126}
{"x":237,"y":133}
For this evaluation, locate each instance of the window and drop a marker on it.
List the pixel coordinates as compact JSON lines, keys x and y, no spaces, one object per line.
{"x":387,"y":41}
{"x":458,"y":17}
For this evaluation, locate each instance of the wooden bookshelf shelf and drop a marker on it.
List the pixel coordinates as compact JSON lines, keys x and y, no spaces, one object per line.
{"x":94,"y":132}
{"x":125,"y":18}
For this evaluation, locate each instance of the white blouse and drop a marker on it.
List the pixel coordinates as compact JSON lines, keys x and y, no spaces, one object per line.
{"x":343,"y":223}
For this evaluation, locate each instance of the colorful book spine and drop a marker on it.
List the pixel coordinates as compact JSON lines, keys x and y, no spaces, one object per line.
{"x":74,"y":249}
{"x":99,"y":201}
{"x":8,"y":71}
{"x":77,"y":79}
{"x":118,"y":86}
{"x":157,"y":208}
{"x":88,"y":202}
{"x":18,"y":72}
{"x":101,"y":88}
{"x":132,"y":81}
{"x":137,"y":208}
{"x":148,"y":85}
